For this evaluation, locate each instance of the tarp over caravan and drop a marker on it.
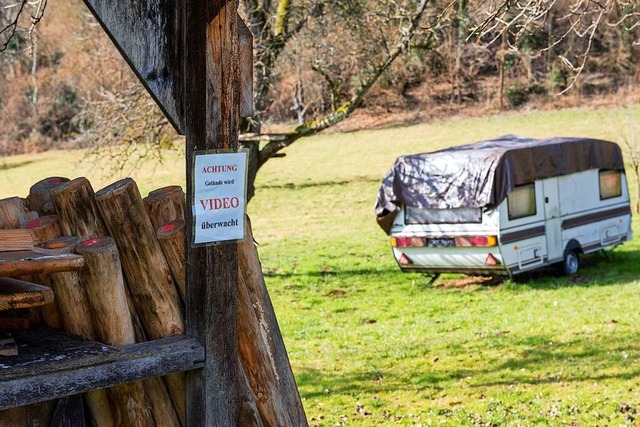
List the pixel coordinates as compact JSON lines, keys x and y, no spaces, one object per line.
{"x":484,"y":173}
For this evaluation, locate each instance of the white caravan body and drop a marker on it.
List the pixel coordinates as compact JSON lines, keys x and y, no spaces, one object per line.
{"x":534,"y":224}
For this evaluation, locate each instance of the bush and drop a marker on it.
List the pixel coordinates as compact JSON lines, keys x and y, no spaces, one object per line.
{"x":558,"y":78}
{"x":58,"y":121}
{"x":516,"y":95}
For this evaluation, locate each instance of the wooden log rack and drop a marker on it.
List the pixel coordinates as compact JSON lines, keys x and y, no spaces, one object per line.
{"x":195,"y":59}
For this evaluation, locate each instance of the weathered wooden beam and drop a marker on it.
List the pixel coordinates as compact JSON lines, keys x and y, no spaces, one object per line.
{"x":65,"y":376}
{"x":211,"y":111}
{"x":20,"y":263}
{"x":280,"y":403}
{"x":246,"y":69}
{"x":148,"y":37}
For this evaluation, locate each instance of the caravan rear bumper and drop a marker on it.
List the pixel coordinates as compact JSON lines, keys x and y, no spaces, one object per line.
{"x":499,"y":270}
{"x":468,"y":260}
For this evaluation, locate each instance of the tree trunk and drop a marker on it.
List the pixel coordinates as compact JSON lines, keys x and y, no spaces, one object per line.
{"x":637,"y":173}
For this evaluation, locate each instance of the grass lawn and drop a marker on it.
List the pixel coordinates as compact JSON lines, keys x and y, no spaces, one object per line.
{"x":372,"y":346}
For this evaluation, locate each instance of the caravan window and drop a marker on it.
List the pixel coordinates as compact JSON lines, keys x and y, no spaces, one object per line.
{"x":414,"y":215}
{"x":522,"y":201}
{"x":610,"y":184}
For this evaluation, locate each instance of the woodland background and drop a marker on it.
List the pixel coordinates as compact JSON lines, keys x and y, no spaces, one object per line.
{"x":65,"y":86}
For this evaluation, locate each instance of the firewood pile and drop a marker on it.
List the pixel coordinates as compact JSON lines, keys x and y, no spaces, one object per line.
{"x":109,"y":266}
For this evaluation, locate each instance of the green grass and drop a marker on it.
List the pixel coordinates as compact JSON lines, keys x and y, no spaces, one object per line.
{"x":372,"y":346}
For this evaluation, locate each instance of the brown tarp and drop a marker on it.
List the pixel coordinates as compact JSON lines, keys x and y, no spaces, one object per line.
{"x":484,"y":173}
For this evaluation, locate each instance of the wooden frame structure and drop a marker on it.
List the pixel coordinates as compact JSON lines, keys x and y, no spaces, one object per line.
{"x":194,"y":57}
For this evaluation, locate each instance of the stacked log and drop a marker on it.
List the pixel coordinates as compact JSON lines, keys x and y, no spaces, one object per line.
{"x":153,"y":291}
{"x":39,"y":198}
{"x":164,"y":205}
{"x":104,"y":284}
{"x":78,"y":320}
{"x":173,"y":241}
{"x":13,"y":213}
{"x":75,"y":203}
{"x":42,"y":230}
{"x":133,"y":288}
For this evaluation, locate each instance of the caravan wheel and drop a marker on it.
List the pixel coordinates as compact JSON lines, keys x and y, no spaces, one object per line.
{"x":571,"y":263}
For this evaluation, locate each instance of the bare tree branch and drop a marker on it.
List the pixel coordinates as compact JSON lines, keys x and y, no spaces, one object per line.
{"x":347,"y":108}
{"x":35,"y":8}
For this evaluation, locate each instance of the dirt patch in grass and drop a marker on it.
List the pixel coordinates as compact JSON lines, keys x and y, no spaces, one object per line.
{"x":466,"y":281}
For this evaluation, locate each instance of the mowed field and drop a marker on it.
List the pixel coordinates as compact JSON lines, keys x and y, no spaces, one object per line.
{"x":371,"y":346}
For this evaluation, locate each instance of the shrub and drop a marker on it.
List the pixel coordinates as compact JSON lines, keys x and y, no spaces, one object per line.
{"x":516,"y":95}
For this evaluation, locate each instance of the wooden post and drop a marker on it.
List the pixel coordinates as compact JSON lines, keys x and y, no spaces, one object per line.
{"x":74,"y":202}
{"x":70,"y":293}
{"x":104,"y":283}
{"x":173,"y":239}
{"x":13,"y":213}
{"x":77,"y":320}
{"x":165,"y":205}
{"x":262,"y":348}
{"x":39,"y":198}
{"x":210,"y":101}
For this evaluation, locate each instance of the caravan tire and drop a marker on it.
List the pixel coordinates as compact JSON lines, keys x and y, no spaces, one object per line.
{"x":571,"y":263}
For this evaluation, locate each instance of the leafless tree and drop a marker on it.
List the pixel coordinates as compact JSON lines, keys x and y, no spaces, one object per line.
{"x":13,"y":17}
{"x":628,"y":130}
{"x":510,"y":21}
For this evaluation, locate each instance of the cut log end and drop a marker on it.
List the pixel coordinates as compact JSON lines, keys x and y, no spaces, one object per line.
{"x":40,"y":194}
{"x":64,"y":244}
{"x":76,"y":183}
{"x":171,"y":228}
{"x":41,"y":222}
{"x":96,"y":245}
{"x":165,"y":191}
{"x":116,"y":188}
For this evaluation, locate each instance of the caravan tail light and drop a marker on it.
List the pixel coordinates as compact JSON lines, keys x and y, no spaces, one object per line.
{"x":406,"y":242}
{"x":462,"y":241}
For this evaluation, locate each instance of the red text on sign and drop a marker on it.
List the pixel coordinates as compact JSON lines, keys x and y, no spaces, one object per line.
{"x":219,"y":203}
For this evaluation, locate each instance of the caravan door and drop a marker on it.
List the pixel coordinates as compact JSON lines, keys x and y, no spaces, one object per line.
{"x":553,"y":224}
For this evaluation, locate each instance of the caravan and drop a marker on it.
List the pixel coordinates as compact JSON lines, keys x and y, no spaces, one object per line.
{"x":505,"y":206}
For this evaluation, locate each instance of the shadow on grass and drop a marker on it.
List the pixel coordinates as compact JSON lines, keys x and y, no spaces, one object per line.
{"x":291,"y":185}
{"x":6,"y":166}
{"x":325,"y":273}
{"x":540,"y":361}
{"x":595,"y":270}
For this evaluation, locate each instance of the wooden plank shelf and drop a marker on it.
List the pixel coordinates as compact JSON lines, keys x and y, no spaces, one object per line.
{"x":52,"y":365}
{"x":16,"y":293}
{"x":20,"y":263}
